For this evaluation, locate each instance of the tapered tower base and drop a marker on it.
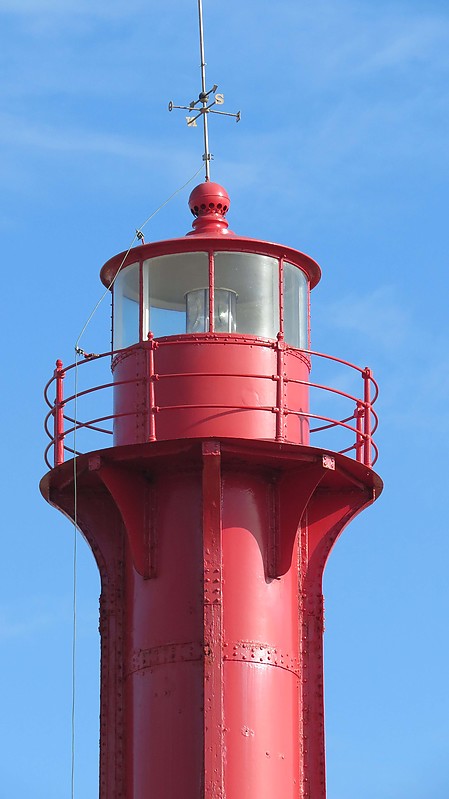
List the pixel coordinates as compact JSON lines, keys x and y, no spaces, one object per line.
{"x":211,"y":555}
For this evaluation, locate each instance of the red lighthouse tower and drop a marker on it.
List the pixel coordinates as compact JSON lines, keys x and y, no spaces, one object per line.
{"x":235,"y":465}
{"x":212,"y":515}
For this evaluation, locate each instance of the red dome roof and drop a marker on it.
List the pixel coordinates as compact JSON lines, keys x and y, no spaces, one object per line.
{"x":209,"y":203}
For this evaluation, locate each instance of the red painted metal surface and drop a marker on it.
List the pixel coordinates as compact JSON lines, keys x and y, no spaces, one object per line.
{"x":210,"y":244}
{"x":271,"y":403}
{"x":58,"y":438}
{"x":209,"y":203}
{"x":212,"y":670}
{"x":211,"y":518}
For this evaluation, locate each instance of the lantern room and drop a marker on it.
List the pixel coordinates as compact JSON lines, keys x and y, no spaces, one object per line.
{"x":177,"y":303}
{"x":210,"y":291}
{"x":225,"y":284}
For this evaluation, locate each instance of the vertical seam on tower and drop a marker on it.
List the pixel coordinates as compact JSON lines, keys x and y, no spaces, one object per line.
{"x":213,"y":622}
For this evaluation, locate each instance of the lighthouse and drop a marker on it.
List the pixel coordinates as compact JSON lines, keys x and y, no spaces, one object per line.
{"x":225,"y":471}
{"x":212,"y":515}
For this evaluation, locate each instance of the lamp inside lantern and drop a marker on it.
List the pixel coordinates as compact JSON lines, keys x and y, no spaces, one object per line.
{"x":169,"y":296}
{"x":197,"y":307}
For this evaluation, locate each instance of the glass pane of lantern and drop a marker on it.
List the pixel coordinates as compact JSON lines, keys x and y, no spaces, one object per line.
{"x":197,"y":303}
{"x":295,"y":307}
{"x":198,"y":311}
{"x":167,"y":282}
{"x":254,"y":279}
{"x":225,"y":311}
{"x":126,"y":307}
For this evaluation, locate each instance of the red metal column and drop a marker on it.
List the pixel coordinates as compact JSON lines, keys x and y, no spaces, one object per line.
{"x":367,"y":417}
{"x":59,"y":415}
{"x":151,"y":389}
{"x":261,"y":652}
{"x":164,"y":646}
{"x":214,"y":747}
{"x":211,"y":558}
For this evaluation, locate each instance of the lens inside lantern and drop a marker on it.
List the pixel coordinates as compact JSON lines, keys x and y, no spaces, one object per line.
{"x":197,"y":304}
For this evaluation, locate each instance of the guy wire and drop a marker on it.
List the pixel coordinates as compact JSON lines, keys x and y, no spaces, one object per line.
{"x":75,"y":542}
{"x":78,"y":352}
{"x":129,"y":250}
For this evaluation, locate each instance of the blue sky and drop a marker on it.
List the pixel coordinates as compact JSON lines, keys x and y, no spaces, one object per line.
{"x":342,"y":152}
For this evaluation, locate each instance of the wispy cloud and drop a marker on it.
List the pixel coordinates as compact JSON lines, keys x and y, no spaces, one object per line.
{"x":20,"y":133}
{"x":415,"y":40}
{"x":111,"y":8}
{"x":369,"y":42}
{"x":40,"y":615}
{"x":412,"y":365}
{"x":378,"y":315}
{"x":29,"y":624}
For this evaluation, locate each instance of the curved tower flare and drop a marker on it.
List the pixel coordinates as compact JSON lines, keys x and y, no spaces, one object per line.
{"x":232,"y":472}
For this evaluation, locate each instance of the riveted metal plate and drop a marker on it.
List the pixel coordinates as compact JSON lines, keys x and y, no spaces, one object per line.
{"x":254,"y":652}
{"x":162,"y":655}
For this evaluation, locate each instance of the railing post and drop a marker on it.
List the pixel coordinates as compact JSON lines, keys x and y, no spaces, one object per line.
{"x":359,"y":445}
{"x":151,"y":389}
{"x":58,"y":441}
{"x":280,"y":406}
{"x":367,"y":417}
{"x":211,"y":293}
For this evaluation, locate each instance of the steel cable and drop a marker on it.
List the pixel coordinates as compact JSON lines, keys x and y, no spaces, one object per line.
{"x":79,"y":351}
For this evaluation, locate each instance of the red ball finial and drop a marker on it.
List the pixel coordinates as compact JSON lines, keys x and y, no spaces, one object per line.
{"x":209,"y":203}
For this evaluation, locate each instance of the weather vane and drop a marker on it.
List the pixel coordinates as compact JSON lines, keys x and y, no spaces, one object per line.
{"x":202,"y":107}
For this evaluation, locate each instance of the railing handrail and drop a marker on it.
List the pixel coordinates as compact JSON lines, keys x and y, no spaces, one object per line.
{"x":366,"y":418}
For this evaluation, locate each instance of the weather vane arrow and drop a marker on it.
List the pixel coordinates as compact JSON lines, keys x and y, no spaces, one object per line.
{"x":207,"y":100}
